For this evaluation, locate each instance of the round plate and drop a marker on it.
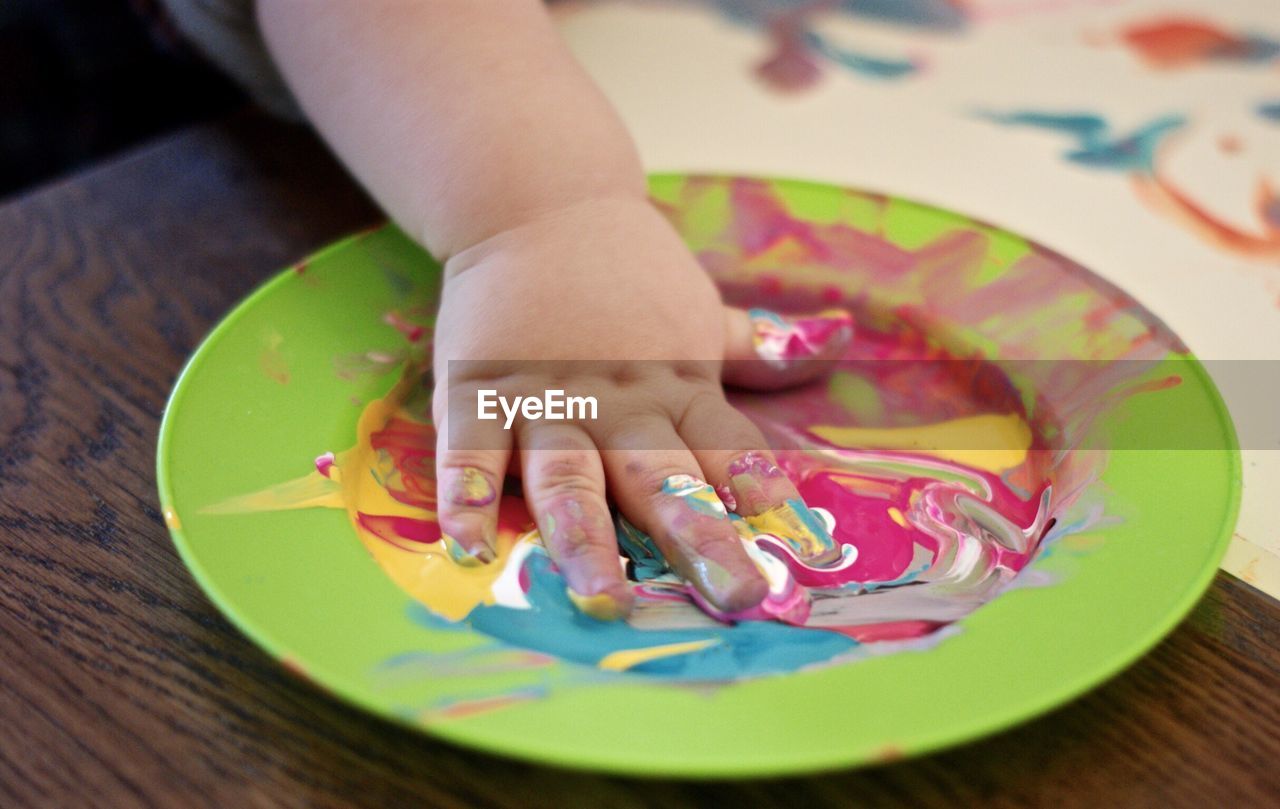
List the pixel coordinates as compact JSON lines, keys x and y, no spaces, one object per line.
{"x":1137,"y":523}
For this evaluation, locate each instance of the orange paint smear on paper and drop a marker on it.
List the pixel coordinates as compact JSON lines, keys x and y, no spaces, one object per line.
{"x":1166,"y":199}
{"x":1182,"y":42}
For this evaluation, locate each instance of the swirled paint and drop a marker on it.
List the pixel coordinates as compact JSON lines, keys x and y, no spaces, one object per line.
{"x":930,"y":479}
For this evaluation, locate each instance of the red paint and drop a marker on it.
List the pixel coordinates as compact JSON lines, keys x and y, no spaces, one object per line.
{"x":894,"y":630}
{"x":411,"y":447}
{"x":790,"y":66}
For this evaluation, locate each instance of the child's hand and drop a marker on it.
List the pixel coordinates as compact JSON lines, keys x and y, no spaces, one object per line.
{"x":609,"y":281}
{"x":473,"y":125}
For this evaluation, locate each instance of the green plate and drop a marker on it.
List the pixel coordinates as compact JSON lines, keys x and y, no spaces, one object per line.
{"x":1126,"y":425}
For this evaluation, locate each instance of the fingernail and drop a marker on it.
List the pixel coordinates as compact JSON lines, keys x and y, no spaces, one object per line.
{"x":568,"y":524}
{"x":465,"y":557}
{"x":782,"y":342}
{"x":697,"y":494}
{"x":727,"y":592}
{"x":753,"y":475}
{"x":489,"y":550}
{"x":468,"y":486}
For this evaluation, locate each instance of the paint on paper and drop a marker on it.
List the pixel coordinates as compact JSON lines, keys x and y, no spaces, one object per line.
{"x":1143,"y":154}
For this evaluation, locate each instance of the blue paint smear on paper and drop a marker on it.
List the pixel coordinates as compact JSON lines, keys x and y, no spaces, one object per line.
{"x":1096,"y":145}
{"x":761,"y":15}
{"x":1253,"y":49}
{"x":874,"y":67}
{"x":940,"y":15}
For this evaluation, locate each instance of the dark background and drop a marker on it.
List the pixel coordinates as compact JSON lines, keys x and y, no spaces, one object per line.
{"x":82,"y":79}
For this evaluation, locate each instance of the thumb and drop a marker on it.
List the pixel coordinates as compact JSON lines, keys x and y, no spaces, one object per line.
{"x":766,"y":351}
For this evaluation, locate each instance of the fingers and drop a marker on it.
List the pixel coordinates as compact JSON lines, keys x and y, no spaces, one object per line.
{"x":471,"y":463}
{"x":739,"y":464}
{"x":766,"y":351}
{"x":662,"y":492}
{"x":564,"y":486}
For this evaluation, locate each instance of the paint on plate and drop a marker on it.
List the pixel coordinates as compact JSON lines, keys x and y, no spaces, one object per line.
{"x":937,"y":477}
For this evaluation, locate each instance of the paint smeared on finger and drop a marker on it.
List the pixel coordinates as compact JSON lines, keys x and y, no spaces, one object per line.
{"x":594,"y":580}
{"x":468,"y":486}
{"x":769,"y":503}
{"x":726,"y":496}
{"x":757,"y":481}
{"x":783,"y":342}
{"x":800,"y":528}
{"x":724,"y":579}
{"x":697,"y":494}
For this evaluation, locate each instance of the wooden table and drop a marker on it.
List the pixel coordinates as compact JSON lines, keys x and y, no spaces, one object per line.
{"x":121,"y":685}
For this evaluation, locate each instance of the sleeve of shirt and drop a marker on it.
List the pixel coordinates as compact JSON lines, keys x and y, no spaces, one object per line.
{"x":226,"y":33}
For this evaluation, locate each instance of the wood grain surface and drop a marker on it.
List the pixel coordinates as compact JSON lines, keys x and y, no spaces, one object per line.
{"x":121,"y":685}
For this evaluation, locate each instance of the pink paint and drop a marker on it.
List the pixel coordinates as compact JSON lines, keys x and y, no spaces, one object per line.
{"x":889,"y":630}
{"x":405,"y":533}
{"x":788,"y":607}
{"x":727,"y":498}
{"x":754,"y":463}
{"x":783,"y":342}
{"x":413,"y":332}
{"x":791,"y":66}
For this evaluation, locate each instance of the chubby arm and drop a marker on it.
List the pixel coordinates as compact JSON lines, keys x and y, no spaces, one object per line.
{"x":463,"y":118}
{"x":472,"y":125}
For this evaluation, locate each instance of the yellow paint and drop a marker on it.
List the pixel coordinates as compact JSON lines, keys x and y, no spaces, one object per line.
{"x":475,"y":486}
{"x":783,"y":523}
{"x":991,"y":442}
{"x":601,"y":606}
{"x":310,"y":491}
{"x":628,"y":658}
{"x":699,"y":494}
{"x":429,"y":575}
{"x":452,"y":589}
{"x":895,"y":514}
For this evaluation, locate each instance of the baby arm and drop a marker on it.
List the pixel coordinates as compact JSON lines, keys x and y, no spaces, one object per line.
{"x":473,"y":126}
